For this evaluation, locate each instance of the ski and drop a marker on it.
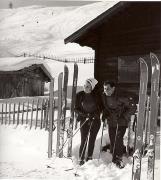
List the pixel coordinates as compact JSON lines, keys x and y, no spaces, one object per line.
{"x":60,"y":79}
{"x":63,"y":111}
{"x":70,"y":129}
{"x":154,"y":103}
{"x":129,"y":133}
{"x":146,"y":128}
{"x":137,"y":156}
{"x":64,"y":108}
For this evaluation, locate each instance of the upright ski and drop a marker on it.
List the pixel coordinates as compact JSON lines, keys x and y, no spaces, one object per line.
{"x":70,"y":129}
{"x":146,"y":128}
{"x":62,"y":118}
{"x":154,"y":103}
{"x":60,"y":79}
{"x":137,"y":156}
{"x":129,"y":134}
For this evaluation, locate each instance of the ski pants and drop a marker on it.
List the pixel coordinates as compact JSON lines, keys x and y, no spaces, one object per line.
{"x":116,"y":135}
{"x":89,"y":130}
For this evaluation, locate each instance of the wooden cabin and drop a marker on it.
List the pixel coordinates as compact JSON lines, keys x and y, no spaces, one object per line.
{"x":28,"y":81}
{"x":119,"y":36}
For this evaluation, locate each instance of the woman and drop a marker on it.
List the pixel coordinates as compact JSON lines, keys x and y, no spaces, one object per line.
{"x":88,"y":108}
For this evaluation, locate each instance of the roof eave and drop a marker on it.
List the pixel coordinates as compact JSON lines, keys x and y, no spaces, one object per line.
{"x":95,"y":22}
{"x":47,"y":73}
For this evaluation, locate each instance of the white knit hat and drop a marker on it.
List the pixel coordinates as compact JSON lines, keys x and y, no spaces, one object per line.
{"x":92,"y":81}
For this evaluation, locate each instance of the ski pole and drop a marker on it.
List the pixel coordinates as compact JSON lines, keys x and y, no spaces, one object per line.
{"x":101,"y":141}
{"x":71,"y":137}
{"x":84,"y":147}
{"x":79,"y":128}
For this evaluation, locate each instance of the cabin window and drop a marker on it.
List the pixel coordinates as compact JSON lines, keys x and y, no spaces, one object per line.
{"x":129,"y":68}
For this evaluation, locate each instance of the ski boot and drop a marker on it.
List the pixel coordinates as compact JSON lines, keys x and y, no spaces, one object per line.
{"x":118,"y":162}
{"x":81,"y":162}
{"x":88,"y":158}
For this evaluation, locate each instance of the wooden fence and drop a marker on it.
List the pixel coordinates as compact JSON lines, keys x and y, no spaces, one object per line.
{"x":33,"y":111}
{"x":64,"y":60}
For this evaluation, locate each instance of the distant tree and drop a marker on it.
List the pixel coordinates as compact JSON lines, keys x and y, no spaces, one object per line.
{"x":10,"y":5}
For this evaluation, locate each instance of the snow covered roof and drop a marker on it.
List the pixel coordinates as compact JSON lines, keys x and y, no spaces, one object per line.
{"x":111,"y":10}
{"x":15,"y":64}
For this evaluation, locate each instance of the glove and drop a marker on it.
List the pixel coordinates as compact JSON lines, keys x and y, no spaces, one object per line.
{"x":103,"y":118}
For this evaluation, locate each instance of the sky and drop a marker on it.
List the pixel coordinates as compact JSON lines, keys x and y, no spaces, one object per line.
{"x":20,"y":3}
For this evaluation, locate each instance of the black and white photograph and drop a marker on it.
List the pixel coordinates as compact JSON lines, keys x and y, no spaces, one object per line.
{"x":80,"y":89}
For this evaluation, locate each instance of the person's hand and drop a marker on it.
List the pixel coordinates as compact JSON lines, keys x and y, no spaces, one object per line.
{"x":87,"y":116}
{"x":104,"y":119}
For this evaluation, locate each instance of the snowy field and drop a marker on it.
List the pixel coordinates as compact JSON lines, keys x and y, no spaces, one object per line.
{"x":42,"y":30}
{"x":23,"y":154}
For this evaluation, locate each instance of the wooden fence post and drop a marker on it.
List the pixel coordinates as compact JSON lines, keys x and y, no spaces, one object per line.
{"x":37,"y":113}
{"x":27,"y":112}
{"x":32,"y":113}
{"x":18,"y":114}
{"x":23,"y":108}
{"x":45,"y":111}
{"x":6,"y":114}
{"x":9,"y":112}
{"x":42,"y":106}
{"x":14,"y":109}
{"x":51,"y":98}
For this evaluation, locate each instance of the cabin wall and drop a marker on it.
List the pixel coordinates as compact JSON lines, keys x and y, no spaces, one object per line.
{"x":122,"y":68}
{"x":122,"y":41}
{"x":18,"y":84}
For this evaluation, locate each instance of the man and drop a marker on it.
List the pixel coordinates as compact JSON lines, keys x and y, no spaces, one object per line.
{"x":117,"y":111}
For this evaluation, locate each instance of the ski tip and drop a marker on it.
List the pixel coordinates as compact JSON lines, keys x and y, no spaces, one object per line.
{"x":141,"y":60}
{"x":154,"y":58}
{"x":152,"y":55}
{"x":143,"y":63}
{"x":60,"y":75}
{"x":65,"y":67}
{"x":75,"y":65}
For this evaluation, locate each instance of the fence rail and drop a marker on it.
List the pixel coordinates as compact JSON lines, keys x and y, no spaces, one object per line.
{"x":25,"y":110}
{"x":65,"y":60}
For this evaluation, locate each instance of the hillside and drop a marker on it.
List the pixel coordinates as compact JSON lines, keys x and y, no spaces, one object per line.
{"x":41,"y":30}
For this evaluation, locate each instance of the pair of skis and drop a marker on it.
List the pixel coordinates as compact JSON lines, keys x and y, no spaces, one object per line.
{"x":62,"y":106}
{"x":137,"y":156}
{"x":62,"y":102}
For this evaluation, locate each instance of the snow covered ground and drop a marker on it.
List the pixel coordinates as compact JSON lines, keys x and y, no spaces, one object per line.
{"x":23,"y":154}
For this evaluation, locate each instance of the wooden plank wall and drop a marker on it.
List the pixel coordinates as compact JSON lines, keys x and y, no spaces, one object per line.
{"x":127,"y":35}
{"x":17,"y":86}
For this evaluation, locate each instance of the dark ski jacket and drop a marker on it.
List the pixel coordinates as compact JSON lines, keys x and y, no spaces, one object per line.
{"x":81,"y":115}
{"x":117,"y":109}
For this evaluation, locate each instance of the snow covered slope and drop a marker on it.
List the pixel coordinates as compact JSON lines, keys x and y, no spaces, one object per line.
{"x":38,"y":29}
